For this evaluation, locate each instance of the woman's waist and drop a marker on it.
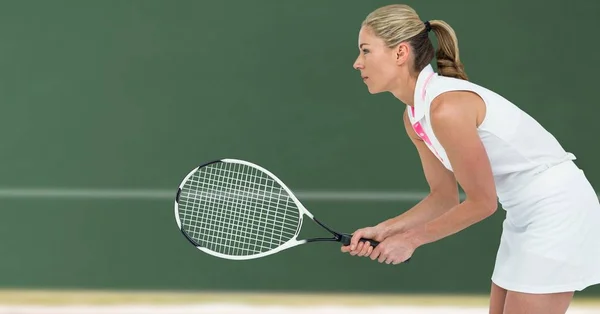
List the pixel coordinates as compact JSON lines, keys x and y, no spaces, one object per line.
{"x":539,"y":182}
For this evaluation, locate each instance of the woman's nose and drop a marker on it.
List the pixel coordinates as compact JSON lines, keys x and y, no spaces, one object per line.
{"x":357,"y":64}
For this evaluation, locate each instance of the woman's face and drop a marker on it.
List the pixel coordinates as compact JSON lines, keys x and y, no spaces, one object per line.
{"x":377,"y":63}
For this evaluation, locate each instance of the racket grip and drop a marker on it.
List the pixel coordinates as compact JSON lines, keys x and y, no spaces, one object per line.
{"x":345,"y":239}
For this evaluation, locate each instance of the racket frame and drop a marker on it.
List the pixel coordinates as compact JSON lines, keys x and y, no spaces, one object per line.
{"x":292,"y":242}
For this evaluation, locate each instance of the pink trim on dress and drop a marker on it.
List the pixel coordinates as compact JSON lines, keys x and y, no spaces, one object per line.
{"x":417,"y":125}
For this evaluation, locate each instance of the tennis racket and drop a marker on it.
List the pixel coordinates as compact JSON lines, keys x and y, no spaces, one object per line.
{"x":237,"y":210}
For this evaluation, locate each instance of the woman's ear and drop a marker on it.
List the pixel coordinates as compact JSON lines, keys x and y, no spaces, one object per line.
{"x":401,"y":53}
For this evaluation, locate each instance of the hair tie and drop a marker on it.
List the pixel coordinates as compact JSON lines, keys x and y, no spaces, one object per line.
{"x":427,"y":26}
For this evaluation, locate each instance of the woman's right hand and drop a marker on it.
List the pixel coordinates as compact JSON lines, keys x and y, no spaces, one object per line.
{"x":360,"y":248}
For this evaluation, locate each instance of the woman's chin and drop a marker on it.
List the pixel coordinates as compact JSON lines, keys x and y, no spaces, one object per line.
{"x":373,"y":90}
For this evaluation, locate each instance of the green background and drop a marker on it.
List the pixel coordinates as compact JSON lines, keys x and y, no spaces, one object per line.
{"x":133,"y":94}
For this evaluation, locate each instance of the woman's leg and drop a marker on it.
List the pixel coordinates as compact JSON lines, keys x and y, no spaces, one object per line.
{"x":526,"y":303}
{"x":497,"y":297}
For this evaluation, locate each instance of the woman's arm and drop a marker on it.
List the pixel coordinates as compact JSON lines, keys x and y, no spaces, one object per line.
{"x":442,"y":197}
{"x":443,"y":190}
{"x":454,"y":118}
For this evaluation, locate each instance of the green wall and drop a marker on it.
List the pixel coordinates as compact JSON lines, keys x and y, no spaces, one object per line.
{"x":133,"y":94}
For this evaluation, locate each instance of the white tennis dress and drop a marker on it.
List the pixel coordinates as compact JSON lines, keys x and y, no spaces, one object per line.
{"x":551,"y":234}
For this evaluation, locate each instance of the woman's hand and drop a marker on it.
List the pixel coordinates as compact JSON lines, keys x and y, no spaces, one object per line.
{"x":394,"y":249}
{"x":360,"y":248}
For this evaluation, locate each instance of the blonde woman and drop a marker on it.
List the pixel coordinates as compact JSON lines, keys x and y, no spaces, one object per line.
{"x":470,"y":135}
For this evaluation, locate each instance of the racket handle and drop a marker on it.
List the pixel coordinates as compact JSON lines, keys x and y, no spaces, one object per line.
{"x":345,"y":239}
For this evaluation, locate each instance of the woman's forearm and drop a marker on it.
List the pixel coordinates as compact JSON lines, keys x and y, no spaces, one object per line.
{"x":428,"y":209}
{"x":455,"y":220}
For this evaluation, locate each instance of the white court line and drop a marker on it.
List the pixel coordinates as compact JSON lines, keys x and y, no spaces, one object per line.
{"x":149,"y":194}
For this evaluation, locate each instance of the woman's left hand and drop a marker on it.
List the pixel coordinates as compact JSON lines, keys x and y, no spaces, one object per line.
{"x":394,"y":249}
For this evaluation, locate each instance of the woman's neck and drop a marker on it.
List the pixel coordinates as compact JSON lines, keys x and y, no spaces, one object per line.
{"x":406,"y":90}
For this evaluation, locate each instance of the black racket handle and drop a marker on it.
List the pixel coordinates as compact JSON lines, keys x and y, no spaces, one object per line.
{"x":345,"y":239}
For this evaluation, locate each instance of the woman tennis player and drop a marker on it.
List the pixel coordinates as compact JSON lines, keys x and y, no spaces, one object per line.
{"x":467,"y":134}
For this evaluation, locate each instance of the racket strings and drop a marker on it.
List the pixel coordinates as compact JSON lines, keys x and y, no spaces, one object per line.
{"x":236,"y":209}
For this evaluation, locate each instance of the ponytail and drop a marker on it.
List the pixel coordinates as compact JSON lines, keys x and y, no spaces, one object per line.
{"x":448,"y":59}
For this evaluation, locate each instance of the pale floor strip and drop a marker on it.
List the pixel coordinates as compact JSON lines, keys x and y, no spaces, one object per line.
{"x":242,"y":309}
{"x":120,"y":297}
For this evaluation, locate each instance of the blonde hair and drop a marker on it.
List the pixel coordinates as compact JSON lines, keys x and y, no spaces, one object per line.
{"x":398,"y":23}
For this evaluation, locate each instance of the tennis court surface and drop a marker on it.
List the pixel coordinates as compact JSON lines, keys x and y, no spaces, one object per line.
{"x":127,"y":302}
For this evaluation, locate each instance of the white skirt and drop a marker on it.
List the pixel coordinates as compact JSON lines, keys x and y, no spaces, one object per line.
{"x":551,"y":234}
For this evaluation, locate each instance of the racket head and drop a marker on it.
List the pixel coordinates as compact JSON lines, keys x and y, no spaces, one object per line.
{"x":237,"y":210}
